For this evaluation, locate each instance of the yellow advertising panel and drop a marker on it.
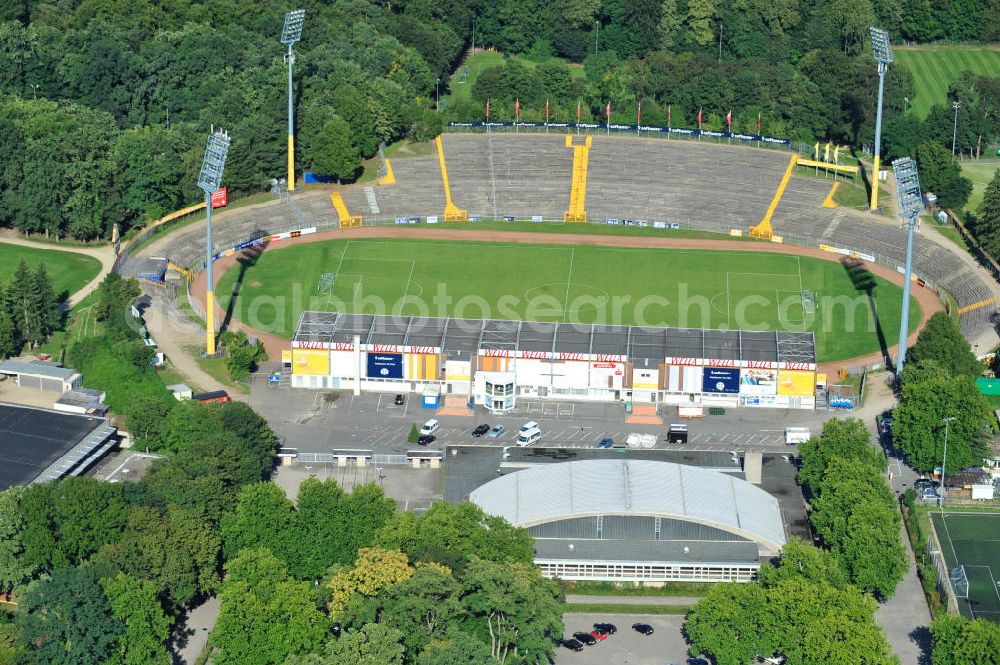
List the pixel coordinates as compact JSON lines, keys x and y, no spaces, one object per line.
{"x":311,"y":362}
{"x":286,"y":356}
{"x":796,"y":382}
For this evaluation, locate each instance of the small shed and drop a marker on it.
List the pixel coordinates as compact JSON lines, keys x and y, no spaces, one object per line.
{"x":41,"y":375}
{"x":432,"y":397}
{"x":84,"y":401}
{"x":180,"y":391}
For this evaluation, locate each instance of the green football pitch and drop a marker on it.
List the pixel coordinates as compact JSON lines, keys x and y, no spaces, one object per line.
{"x":69,"y":271}
{"x":972,"y":540}
{"x":577,"y":284}
{"x":935,"y":67}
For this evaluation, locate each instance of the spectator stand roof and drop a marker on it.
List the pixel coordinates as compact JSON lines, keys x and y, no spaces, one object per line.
{"x":463,"y":338}
{"x":554,"y":492}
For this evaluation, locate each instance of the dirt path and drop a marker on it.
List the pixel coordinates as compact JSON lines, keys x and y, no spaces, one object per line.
{"x":105,"y":254}
{"x":928,"y":300}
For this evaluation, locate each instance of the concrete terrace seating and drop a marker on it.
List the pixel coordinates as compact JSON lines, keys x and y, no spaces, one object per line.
{"x":700,"y":185}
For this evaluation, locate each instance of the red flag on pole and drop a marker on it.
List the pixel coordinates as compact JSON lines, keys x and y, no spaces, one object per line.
{"x":517,"y":110}
{"x":607,"y":111}
{"x":578,"y":112}
{"x":487,"y":109}
{"x":729,"y":120}
{"x":668,"y":115}
{"x":546,"y":111}
{"x":638,"y":114}
{"x":758,"y":122}
{"x":699,"y":118}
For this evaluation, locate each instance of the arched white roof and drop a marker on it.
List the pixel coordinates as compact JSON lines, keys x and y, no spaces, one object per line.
{"x":551,"y":492}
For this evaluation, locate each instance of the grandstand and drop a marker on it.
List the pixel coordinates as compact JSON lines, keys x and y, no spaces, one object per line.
{"x":698,"y":185}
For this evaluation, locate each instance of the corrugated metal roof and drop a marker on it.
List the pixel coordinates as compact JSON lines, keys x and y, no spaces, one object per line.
{"x":36,"y":369}
{"x":634,"y":487}
{"x":646,"y":347}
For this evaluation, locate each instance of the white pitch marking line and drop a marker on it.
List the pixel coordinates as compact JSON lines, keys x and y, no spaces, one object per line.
{"x":569,"y":280}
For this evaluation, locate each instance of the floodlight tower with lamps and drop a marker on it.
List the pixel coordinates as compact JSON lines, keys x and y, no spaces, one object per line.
{"x":911,"y":204}
{"x":954,"y":126}
{"x":291,"y":33}
{"x":883,"y":56}
{"x":944,"y":459}
{"x":209,"y":181}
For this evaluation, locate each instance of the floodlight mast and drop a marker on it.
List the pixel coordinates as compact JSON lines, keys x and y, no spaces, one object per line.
{"x":882,"y":52}
{"x":291,"y":34}
{"x":209,"y":181}
{"x":911,"y":204}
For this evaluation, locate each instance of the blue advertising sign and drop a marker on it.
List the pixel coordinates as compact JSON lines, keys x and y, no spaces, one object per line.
{"x":722,"y":380}
{"x":385,"y":365}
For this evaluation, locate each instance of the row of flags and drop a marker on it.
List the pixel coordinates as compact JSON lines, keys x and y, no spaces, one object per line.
{"x":826,"y":152}
{"x":638,"y":115}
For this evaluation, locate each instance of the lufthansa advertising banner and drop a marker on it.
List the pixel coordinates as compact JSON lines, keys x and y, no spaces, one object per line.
{"x":385,"y":365}
{"x":721,"y":380}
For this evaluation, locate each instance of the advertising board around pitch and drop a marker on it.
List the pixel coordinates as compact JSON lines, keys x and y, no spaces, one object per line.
{"x":721,"y":380}
{"x":385,"y":365}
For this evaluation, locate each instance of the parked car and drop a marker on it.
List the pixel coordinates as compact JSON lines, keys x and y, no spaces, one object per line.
{"x":528,"y":426}
{"x":586,"y":638}
{"x":643,"y":628}
{"x":599,"y":635}
{"x":426,"y":439}
{"x":697,"y":661}
{"x":480,"y":430}
{"x":606,"y":442}
{"x":678,"y":433}
{"x":497,"y":431}
{"x":572,"y":645}
{"x":430,"y":427}
{"x":608,"y":628}
{"x":399,"y":401}
{"x":920,"y":484}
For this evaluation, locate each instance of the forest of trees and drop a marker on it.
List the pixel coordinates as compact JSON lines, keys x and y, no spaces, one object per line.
{"x":29,"y":310}
{"x":106,"y":110}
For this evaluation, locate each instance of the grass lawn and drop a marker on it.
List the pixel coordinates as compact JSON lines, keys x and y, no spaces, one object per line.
{"x":949,"y":232}
{"x":216,"y":368}
{"x":482,"y":60}
{"x":968,"y":540}
{"x":583,"y":284}
{"x":935,"y":67}
{"x":980,"y":173}
{"x":69,"y":271}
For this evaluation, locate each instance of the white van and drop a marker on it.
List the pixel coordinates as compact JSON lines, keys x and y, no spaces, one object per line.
{"x":528,"y":437}
{"x":430,"y":427}
{"x":528,"y":426}
{"x":795,"y":435}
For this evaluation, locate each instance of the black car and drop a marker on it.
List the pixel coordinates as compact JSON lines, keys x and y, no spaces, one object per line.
{"x":920,"y":484}
{"x":426,"y":439}
{"x":399,"y":400}
{"x":643,"y":628}
{"x":586,"y":638}
{"x":608,"y":628}
{"x":697,"y":661}
{"x":572,"y":645}
{"x":481,"y":430}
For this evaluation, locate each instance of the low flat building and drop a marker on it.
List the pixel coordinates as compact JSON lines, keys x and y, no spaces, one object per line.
{"x":38,"y":445}
{"x":648,"y":516}
{"x":41,"y":375}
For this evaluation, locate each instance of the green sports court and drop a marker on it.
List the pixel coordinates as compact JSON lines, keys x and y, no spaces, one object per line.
{"x":972,"y":540}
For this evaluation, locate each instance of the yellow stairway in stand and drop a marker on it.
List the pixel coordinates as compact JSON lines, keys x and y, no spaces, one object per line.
{"x":347,"y":220}
{"x":452,"y":213}
{"x":578,"y":193}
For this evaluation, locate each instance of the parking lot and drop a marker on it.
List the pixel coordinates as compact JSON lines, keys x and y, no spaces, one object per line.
{"x":318,"y":421}
{"x":627,"y":647}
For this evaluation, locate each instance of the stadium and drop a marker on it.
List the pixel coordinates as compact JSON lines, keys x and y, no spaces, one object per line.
{"x":479,"y":215}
